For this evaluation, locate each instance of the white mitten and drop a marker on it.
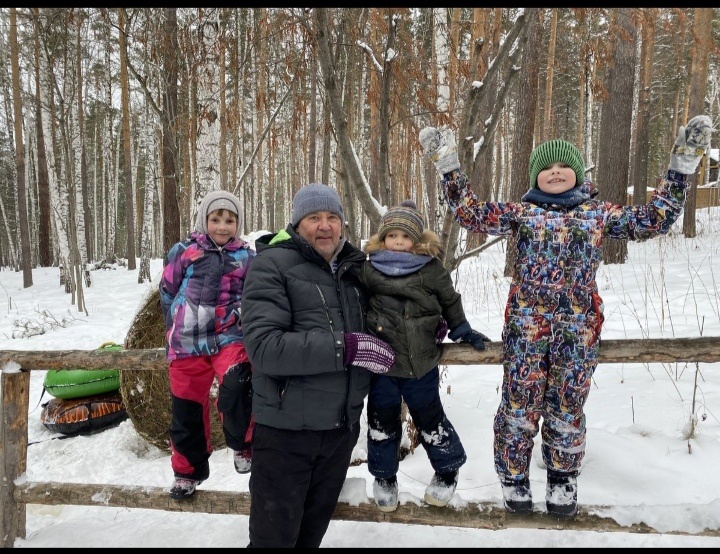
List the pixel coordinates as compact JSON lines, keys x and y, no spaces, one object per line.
{"x":690,"y":145}
{"x":440,"y":147}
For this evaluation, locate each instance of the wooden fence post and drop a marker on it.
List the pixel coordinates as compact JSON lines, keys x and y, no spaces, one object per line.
{"x":15,"y":395}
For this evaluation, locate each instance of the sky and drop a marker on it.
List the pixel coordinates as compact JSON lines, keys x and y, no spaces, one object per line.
{"x":640,"y":466}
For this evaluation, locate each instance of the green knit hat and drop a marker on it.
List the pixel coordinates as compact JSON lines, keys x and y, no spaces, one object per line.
{"x":556,"y":150}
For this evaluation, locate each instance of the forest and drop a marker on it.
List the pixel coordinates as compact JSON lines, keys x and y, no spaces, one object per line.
{"x":115,"y":122}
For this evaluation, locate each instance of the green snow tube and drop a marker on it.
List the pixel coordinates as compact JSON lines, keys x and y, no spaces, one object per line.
{"x":76,"y":383}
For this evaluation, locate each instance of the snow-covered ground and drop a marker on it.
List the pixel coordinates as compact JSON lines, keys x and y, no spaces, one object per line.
{"x":640,"y":465}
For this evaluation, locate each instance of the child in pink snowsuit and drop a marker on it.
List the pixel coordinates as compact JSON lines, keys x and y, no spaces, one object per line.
{"x":200,"y":293}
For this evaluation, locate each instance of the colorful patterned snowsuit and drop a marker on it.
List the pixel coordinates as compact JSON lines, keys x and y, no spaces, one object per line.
{"x":554,"y":313}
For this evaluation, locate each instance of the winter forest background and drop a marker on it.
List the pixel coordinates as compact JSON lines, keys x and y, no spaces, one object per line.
{"x":115,"y":122}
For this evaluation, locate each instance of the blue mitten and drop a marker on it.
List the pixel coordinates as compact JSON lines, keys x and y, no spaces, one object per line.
{"x":476,"y":338}
{"x":465,"y":333}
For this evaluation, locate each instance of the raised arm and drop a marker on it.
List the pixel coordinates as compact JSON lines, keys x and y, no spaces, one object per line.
{"x":494,"y":218}
{"x":645,"y":221}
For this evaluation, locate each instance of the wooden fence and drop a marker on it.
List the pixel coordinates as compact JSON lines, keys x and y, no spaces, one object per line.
{"x":16,"y":492}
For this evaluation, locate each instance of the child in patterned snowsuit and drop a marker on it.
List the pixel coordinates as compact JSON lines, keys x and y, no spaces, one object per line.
{"x":554,"y":314}
{"x":200,"y":293}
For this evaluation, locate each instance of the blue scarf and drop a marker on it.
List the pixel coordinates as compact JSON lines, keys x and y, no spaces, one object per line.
{"x":394,"y":263}
{"x":568,"y":199}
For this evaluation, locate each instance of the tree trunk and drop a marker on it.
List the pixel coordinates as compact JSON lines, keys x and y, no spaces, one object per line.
{"x":88,"y":250}
{"x":388,"y":195}
{"x":615,"y":125}
{"x":127,"y":155}
{"x":171,"y":209}
{"x":525,"y":110}
{"x":206,"y":120}
{"x":642,"y":121}
{"x":223,"y":117}
{"x":312,"y":127}
{"x":548,"y":120}
{"x":702,"y":31}
{"x":25,"y":253}
{"x":45,"y":257}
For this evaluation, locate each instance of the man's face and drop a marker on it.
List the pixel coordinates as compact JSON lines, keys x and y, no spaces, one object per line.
{"x":322,"y":231}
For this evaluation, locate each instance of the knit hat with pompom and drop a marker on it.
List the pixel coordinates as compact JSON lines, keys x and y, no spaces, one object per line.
{"x":404,"y":217}
{"x":556,"y":150}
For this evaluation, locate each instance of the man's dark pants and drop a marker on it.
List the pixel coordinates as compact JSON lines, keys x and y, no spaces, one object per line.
{"x":295,"y":484}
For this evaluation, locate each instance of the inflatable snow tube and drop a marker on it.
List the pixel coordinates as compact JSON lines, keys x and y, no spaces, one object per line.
{"x":83,"y":415}
{"x":78,"y":383}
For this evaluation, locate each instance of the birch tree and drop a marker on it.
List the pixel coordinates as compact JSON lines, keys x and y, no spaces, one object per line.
{"x":44,"y":224}
{"x":648,"y":17}
{"x":126,"y":138}
{"x":207,"y":124}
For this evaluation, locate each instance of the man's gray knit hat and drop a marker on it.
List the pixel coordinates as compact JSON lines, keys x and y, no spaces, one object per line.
{"x":315,"y":197}
{"x":218,"y":200}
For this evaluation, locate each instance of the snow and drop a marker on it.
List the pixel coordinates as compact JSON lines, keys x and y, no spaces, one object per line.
{"x":640,"y":464}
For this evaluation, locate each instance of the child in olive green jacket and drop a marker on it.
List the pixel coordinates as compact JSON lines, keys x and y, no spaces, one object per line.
{"x":411,"y":297}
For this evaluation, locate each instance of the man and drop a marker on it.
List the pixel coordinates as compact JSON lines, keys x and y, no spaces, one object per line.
{"x":303,"y":314}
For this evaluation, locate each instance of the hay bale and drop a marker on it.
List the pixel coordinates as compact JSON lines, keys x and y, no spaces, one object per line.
{"x":146,"y":393}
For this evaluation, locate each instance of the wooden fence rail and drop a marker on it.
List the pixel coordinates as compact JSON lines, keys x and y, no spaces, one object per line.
{"x":16,"y":492}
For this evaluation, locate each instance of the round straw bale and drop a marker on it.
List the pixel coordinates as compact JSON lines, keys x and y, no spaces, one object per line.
{"x":146,"y":393}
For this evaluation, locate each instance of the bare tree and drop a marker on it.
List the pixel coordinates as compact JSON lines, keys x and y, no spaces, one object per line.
{"x":127,"y":153}
{"x":26,"y":255}
{"x":547,"y":128}
{"x":171,"y":209}
{"x":44,"y":224}
{"x":525,"y":110}
{"x":346,"y":148}
{"x":615,"y":126}
{"x":702,"y":38}
{"x":88,"y":247}
{"x":642,"y":118}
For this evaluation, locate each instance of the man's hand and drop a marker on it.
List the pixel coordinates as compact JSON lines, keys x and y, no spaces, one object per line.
{"x":369,"y":352}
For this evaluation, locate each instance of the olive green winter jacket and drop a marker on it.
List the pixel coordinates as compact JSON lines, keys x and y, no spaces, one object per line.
{"x":405,"y":311}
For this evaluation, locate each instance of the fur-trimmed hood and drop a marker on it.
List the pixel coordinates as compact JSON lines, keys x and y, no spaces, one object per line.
{"x":428,"y":245}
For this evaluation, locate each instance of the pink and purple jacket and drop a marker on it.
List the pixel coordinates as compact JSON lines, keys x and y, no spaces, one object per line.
{"x":200,"y":292}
